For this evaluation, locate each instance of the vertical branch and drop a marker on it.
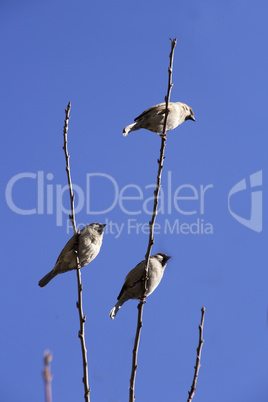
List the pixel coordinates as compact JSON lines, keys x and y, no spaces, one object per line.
{"x":198,"y":356}
{"x":47,"y":375}
{"x":151,"y":224}
{"x":67,"y":158}
{"x":79,"y":305}
{"x":81,"y":335}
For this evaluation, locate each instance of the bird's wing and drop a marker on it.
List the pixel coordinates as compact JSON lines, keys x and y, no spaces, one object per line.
{"x":133,"y":277}
{"x":121,"y":291}
{"x":135,"y":274}
{"x":161,"y":109}
{"x":68,"y":247}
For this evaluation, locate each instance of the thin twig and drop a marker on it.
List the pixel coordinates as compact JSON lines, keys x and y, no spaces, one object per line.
{"x":67,"y":158}
{"x":47,"y":375}
{"x":151,"y":224}
{"x":79,"y":305}
{"x":135,"y":352}
{"x":198,"y":356}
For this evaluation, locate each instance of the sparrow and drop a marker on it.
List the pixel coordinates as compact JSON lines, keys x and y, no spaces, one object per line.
{"x":89,"y":243}
{"x":153,"y":118}
{"x":133,"y":287}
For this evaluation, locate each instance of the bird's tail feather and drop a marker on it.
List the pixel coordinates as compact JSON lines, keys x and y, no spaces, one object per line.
{"x":127,"y":129}
{"x":115,"y":310}
{"x":47,"y":278}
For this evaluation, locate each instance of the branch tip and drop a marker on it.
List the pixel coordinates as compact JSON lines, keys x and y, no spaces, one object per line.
{"x":198,"y":357}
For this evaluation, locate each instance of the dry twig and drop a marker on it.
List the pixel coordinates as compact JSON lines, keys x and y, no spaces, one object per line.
{"x":198,"y":356}
{"x":82,"y":317}
{"x":151,"y":224}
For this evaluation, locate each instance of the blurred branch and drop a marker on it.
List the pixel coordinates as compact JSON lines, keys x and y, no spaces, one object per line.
{"x":198,"y":357}
{"x":79,"y":305}
{"x":47,"y":375}
{"x":151,"y":224}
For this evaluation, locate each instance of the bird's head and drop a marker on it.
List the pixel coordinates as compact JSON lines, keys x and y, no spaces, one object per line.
{"x":189,"y":114}
{"x":162,"y":258}
{"x":98,"y":227}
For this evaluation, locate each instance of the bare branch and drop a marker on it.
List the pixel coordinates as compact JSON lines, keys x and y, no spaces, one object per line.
{"x":79,"y":305}
{"x":151,"y":224}
{"x":67,"y":157}
{"x":160,"y":164}
{"x":47,"y":375}
{"x":198,"y":356}
{"x":135,"y":352}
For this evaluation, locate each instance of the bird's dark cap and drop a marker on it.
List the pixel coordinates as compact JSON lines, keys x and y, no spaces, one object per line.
{"x":165,"y":257}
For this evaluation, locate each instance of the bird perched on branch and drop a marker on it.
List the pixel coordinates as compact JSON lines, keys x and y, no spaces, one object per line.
{"x":153,"y":119}
{"x":88,"y":241}
{"x":133,"y":287}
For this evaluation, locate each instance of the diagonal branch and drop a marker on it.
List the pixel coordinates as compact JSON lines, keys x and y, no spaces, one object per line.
{"x":82,"y":317}
{"x":160,"y":162}
{"x":151,"y":224}
{"x":198,"y":356}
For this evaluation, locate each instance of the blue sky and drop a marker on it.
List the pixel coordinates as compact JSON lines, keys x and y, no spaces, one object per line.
{"x":111,"y":59}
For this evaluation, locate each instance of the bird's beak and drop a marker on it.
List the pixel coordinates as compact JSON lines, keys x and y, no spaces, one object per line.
{"x":190,"y":117}
{"x":165,"y":260}
{"x":104,"y":224}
